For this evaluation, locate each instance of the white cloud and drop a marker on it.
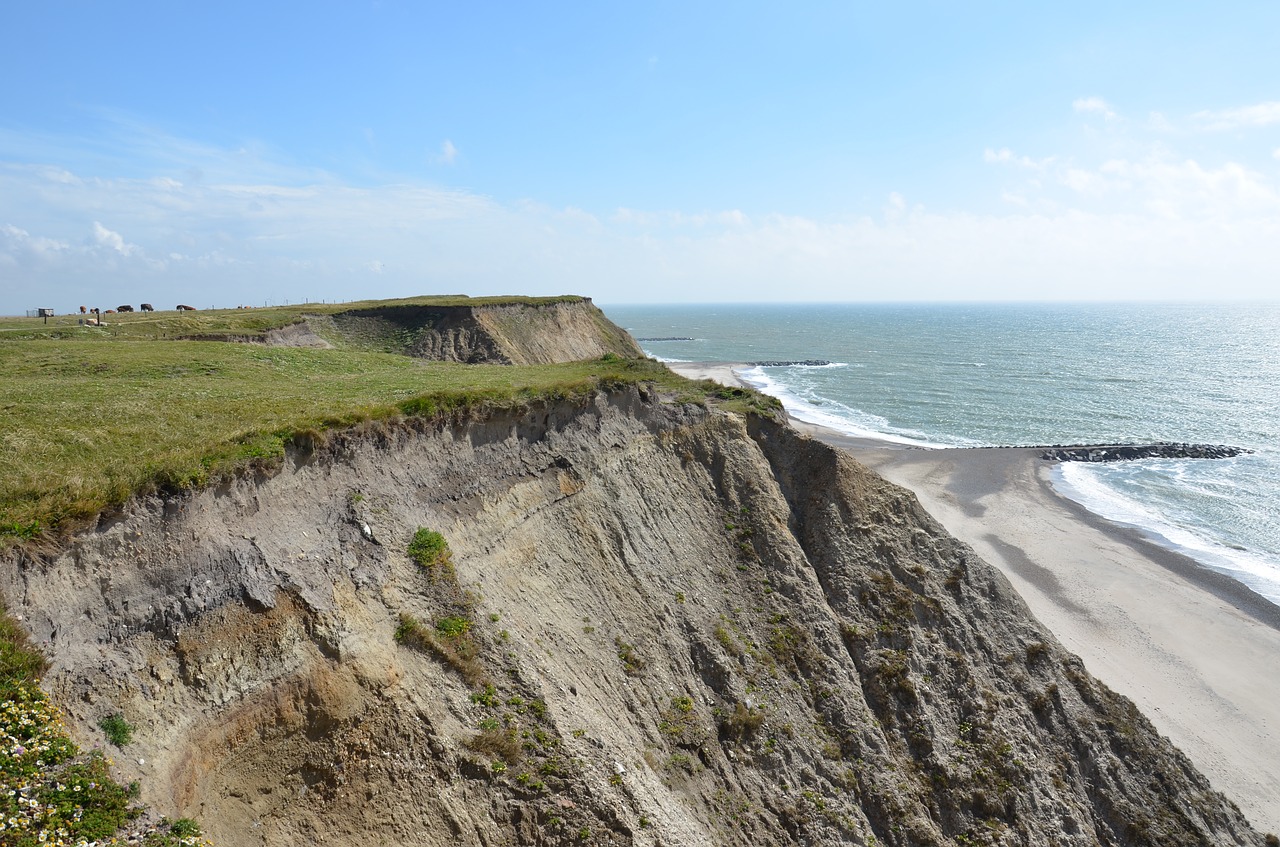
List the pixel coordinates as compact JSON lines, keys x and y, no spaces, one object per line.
{"x":1260,"y":114}
{"x":1084,"y":181}
{"x":1135,"y":221}
{"x":1157,"y":122}
{"x":15,"y":241}
{"x":112,"y":240}
{"x":896,"y":206}
{"x":1096,"y":105}
{"x":448,"y":153}
{"x":670,"y":219}
{"x":1005,"y":156}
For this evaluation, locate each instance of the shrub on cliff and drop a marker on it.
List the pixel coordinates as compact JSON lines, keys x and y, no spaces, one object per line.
{"x":429,"y":549}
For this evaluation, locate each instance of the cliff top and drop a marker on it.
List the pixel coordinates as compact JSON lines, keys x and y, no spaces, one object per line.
{"x":172,"y":323}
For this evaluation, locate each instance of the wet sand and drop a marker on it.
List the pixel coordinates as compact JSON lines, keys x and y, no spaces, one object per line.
{"x":1198,"y":652}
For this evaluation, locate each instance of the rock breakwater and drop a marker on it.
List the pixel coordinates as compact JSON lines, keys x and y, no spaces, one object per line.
{"x":1129,"y":452}
{"x":805,"y":363}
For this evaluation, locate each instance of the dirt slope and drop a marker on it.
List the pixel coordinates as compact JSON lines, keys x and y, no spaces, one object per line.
{"x":685,"y":628}
{"x":515,"y":333}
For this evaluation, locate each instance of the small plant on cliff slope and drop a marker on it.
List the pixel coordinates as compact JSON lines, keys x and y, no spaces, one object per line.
{"x":429,"y":549}
{"x":179,"y":833}
{"x":118,"y":730}
{"x":632,"y":664}
{"x":742,"y":724}
{"x":449,"y":641}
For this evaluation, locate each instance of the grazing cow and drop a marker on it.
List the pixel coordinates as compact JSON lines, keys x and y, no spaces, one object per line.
{"x":182,"y":308}
{"x":83,"y":310}
{"x":147,"y":307}
{"x":124,"y":308}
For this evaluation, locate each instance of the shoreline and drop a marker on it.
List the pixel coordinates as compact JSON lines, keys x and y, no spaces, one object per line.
{"x":1193,"y":648}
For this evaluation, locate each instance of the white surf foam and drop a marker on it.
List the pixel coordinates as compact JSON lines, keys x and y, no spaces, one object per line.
{"x":834,"y":415}
{"x":1080,"y":482}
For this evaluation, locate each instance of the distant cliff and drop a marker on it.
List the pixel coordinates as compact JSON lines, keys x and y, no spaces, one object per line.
{"x":513,"y":333}
{"x":660,"y":624}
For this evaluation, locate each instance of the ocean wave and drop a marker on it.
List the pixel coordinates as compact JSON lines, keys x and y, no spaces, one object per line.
{"x":844,"y":419}
{"x":1085,"y":485}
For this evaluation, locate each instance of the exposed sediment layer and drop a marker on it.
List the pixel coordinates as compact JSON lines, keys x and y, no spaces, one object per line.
{"x":686,"y":628}
{"x":513,"y":334}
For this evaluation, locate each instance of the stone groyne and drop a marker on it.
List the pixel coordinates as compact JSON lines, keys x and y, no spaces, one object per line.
{"x":1128,"y":452}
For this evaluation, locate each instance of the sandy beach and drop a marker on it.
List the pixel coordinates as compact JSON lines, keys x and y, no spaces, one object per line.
{"x":1196,"y":651}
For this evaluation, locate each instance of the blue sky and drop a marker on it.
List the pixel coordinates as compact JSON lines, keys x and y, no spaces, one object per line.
{"x":221,"y":154}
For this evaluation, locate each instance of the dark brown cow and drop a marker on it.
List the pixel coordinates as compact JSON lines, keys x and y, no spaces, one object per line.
{"x":147,"y":307}
{"x":83,"y":310}
{"x":182,"y":308}
{"x":124,"y":308}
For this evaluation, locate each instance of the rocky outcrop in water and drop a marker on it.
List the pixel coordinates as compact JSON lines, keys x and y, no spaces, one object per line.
{"x":808,"y":363}
{"x":662,"y":624}
{"x":1128,"y":452}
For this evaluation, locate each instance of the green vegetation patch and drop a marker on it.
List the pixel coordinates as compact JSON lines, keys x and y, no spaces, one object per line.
{"x":429,"y":549}
{"x":21,"y":664}
{"x":118,"y":730}
{"x":450,"y":641}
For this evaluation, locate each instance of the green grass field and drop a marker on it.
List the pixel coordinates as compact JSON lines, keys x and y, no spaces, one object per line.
{"x":167,"y":323}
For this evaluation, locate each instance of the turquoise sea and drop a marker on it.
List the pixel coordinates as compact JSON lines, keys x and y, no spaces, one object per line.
{"x":974,"y":375}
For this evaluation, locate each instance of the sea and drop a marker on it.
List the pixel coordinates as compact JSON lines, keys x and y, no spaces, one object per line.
{"x":973,"y":375}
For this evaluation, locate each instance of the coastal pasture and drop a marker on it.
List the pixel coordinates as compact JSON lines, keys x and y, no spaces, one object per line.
{"x":213,"y":322}
{"x":87,"y":423}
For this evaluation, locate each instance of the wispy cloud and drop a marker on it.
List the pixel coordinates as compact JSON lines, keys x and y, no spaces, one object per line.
{"x":1005,"y":156}
{"x":113,"y":240}
{"x":1094,"y":105}
{"x":1244,"y":117}
{"x":219,"y":226}
{"x":448,"y":153}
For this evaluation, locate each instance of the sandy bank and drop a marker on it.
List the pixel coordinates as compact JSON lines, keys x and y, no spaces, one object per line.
{"x":1197,"y":652}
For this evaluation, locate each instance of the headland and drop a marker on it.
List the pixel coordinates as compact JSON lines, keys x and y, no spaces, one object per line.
{"x":1195,"y":650}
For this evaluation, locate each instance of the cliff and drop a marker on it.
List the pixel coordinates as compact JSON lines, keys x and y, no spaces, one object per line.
{"x":661,"y":623}
{"x":515,"y":332}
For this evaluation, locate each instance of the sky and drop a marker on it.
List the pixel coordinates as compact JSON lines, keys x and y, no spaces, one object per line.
{"x":252,"y":154}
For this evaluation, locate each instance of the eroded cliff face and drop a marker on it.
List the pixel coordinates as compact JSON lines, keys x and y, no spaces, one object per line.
{"x":512,"y":334}
{"x":686,"y":628}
